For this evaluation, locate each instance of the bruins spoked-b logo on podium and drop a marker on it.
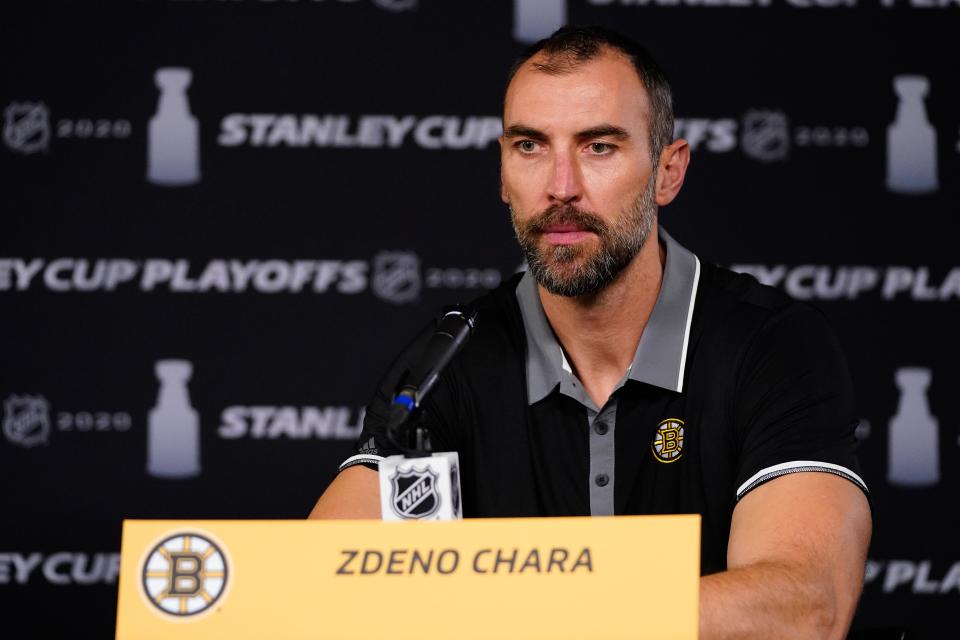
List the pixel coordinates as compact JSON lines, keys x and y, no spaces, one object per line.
{"x":184,"y":574}
{"x":415,"y":493}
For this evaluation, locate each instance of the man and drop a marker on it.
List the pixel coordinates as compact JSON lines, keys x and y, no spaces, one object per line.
{"x":620,"y":375}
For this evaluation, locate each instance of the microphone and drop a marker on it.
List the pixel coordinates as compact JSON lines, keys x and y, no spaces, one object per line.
{"x":420,"y":485}
{"x":452,"y":332}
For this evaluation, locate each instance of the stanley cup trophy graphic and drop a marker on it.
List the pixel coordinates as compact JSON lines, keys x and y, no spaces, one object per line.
{"x":173,"y":145}
{"x":914,"y":434}
{"x":911,"y":140}
{"x":173,"y":428}
{"x":536,"y":19}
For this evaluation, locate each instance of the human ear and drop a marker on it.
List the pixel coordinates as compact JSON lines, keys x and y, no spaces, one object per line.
{"x":671,"y":171}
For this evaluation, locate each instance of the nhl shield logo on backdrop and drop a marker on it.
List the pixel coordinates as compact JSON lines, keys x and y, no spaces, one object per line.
{"x":26,"y":420}
{"x":766,"y":135}
{"x":26,"y":127}
{"x":415,"y":493}
{"x":396,"y":276}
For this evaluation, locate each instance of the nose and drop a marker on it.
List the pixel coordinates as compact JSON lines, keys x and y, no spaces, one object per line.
{"x":566,"y":184}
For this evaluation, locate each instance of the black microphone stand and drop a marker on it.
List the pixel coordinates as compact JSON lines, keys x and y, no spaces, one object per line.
{"x":415,"y":443}
{"x":453,"y":330}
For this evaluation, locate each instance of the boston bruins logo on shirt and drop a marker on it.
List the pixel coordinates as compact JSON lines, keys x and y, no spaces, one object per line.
{"x":667,"y":444}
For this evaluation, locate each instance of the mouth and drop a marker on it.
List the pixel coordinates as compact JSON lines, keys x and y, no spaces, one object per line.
{"x":565,"y":234}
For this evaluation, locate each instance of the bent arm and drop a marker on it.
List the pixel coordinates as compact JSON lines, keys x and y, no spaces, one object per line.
{"x":795,"y":559}
{"x":353,"y":495}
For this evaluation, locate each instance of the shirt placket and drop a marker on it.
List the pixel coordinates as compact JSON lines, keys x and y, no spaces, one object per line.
{"x":601,"y":425}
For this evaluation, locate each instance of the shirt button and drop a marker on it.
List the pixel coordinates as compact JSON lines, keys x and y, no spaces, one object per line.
{"x":601,"y":428}
{"x":602,"y":479}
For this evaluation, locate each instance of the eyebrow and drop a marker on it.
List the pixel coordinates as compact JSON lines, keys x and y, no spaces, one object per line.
{"x":600,"y":131}
{"x":603,"y":131}
{"x":523,"y":131}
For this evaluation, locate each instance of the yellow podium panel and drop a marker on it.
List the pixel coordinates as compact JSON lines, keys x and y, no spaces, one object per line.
{"x":615,"y":577}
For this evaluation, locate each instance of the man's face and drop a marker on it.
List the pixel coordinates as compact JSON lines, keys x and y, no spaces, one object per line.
{"x":576,"y":171}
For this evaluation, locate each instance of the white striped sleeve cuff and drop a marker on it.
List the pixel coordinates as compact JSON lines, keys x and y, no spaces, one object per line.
{"x":798,"y":466}
{"x":363,"y":458}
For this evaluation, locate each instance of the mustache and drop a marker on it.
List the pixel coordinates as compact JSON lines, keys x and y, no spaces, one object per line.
{"x":566,"y":214}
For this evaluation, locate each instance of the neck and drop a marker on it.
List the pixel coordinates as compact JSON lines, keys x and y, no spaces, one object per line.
{"x":600,"y":332}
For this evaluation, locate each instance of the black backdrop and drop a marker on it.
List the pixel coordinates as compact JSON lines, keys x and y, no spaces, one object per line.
{"x":312,"y":244}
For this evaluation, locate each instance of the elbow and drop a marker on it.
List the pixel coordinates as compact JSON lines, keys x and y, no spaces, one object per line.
{"x":831,"y":614}
{"x":817,"y":618}
{"x":817,"y":610}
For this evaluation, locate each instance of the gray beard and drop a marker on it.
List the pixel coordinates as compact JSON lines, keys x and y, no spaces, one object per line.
{"x":571,"y":270}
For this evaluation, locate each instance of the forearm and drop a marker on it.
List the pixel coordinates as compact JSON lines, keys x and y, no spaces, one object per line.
{"x":769,"y":600}
{"x":354,"y":494}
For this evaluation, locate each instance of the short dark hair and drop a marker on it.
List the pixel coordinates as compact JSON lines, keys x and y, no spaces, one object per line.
{"x":570,"y":46}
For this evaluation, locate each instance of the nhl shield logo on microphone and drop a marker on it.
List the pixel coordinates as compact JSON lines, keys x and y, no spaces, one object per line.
{"x":415,"y":493}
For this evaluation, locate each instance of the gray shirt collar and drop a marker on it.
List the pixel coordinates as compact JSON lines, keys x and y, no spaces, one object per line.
{"x":662,"y":352}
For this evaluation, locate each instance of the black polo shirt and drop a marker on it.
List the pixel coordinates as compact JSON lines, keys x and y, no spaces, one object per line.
{"x":733,"y":384}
